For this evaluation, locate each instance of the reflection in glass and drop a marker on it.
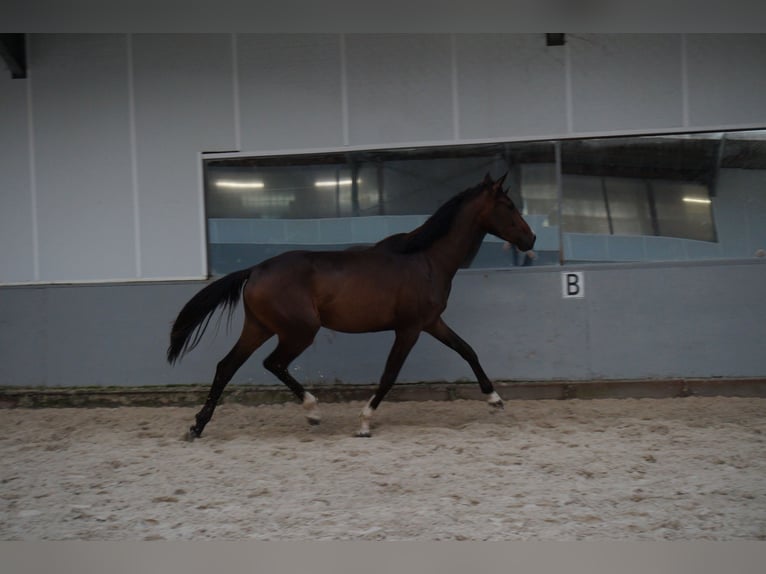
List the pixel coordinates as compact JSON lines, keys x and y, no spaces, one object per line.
{"x":656,"y":198}
{"x":628,"y":206}
{"x":637,"y":186}
{"x":258,"y":207}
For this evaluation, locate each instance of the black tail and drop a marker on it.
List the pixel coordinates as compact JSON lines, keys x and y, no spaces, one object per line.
{"x":196,"y":314}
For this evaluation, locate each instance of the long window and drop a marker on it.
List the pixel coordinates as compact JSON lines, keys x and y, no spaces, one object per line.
{"x":677,"y":197}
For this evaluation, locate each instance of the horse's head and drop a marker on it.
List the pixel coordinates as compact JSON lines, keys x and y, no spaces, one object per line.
{"x":500,"y":217}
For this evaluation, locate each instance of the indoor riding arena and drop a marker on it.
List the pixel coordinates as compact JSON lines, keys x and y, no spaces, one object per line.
{"x":483,"y":287}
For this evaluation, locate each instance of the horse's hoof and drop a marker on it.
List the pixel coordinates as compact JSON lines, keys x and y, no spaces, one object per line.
{"x":313,"y":421}
{"x":363,"y":434}
{"x":192,"y":434}
{"x":495,"y":401}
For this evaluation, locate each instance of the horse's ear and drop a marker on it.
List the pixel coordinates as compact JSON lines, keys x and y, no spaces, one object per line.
{"x":497,"y":186}
{"x":487,"y":180}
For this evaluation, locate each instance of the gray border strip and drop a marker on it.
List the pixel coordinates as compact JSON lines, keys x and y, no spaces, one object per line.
{"x":194,"y":395}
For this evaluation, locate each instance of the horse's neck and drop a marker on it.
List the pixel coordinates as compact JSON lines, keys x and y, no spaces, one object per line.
{"x":459,"y":246}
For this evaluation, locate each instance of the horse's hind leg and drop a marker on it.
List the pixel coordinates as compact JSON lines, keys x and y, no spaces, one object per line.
{"x":277,"y":362}
{"x":441,"y":331}
{"x":253,"y":336}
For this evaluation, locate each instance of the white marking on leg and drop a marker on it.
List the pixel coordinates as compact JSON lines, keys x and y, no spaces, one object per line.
{"x":310,"y":403}
{"x":365,"y":417}
{"x":494,"y":399}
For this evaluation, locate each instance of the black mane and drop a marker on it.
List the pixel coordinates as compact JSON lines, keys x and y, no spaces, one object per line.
{"x":433,"y":228}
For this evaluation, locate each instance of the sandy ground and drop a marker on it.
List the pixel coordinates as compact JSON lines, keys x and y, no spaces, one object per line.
{"x":650,"y":469}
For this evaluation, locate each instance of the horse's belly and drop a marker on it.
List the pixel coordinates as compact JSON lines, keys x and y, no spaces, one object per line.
{"x":358,"y":314}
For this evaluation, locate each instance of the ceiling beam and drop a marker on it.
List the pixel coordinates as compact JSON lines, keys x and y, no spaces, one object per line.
{"x":14,"y":52}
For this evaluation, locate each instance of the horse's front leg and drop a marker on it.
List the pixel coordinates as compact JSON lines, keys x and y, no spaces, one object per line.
{"x":441,"y":332}
{"x":403,"y":344}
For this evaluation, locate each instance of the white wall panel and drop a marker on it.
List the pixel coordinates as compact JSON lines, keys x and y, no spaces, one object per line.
{"x":290,"y":91}
{"x":119,"y":121}
{"x":625,"y":82}
{"x":726,"y":78}
{"x":84,"y":189}
{"x":184,"y":104}
{"x":399,"y":88}
{"x":510,"y":85}
{"x":16,"y":218}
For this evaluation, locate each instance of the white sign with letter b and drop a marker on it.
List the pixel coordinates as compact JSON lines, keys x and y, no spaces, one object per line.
{"x":573,"y":284}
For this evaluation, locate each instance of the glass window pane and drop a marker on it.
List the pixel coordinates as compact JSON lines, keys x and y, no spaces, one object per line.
{"x":636,"y":186}
{"x":683,"y":210}
{"x":583,"y":209}
{"x":628,"y":204}
{"x":698,"y":195}
{"x":285,"y":192}
{"x":260,"y":206}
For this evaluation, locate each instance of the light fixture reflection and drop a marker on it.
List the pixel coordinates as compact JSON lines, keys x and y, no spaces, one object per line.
{"x":696,"y":200}
{"x":332,"y":182}
{"x":231,"y":184}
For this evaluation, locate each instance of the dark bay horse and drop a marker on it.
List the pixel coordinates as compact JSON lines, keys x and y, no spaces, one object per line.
{"x":400,"y":284}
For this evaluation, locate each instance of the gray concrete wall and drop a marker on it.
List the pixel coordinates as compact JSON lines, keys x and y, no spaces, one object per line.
{"x":635,"y":321}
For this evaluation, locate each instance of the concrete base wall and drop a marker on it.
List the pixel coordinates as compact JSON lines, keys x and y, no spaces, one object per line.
{"x":655,"y":322}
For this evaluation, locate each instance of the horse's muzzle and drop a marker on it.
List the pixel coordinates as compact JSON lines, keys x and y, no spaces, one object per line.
{"x":528,"y":244}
